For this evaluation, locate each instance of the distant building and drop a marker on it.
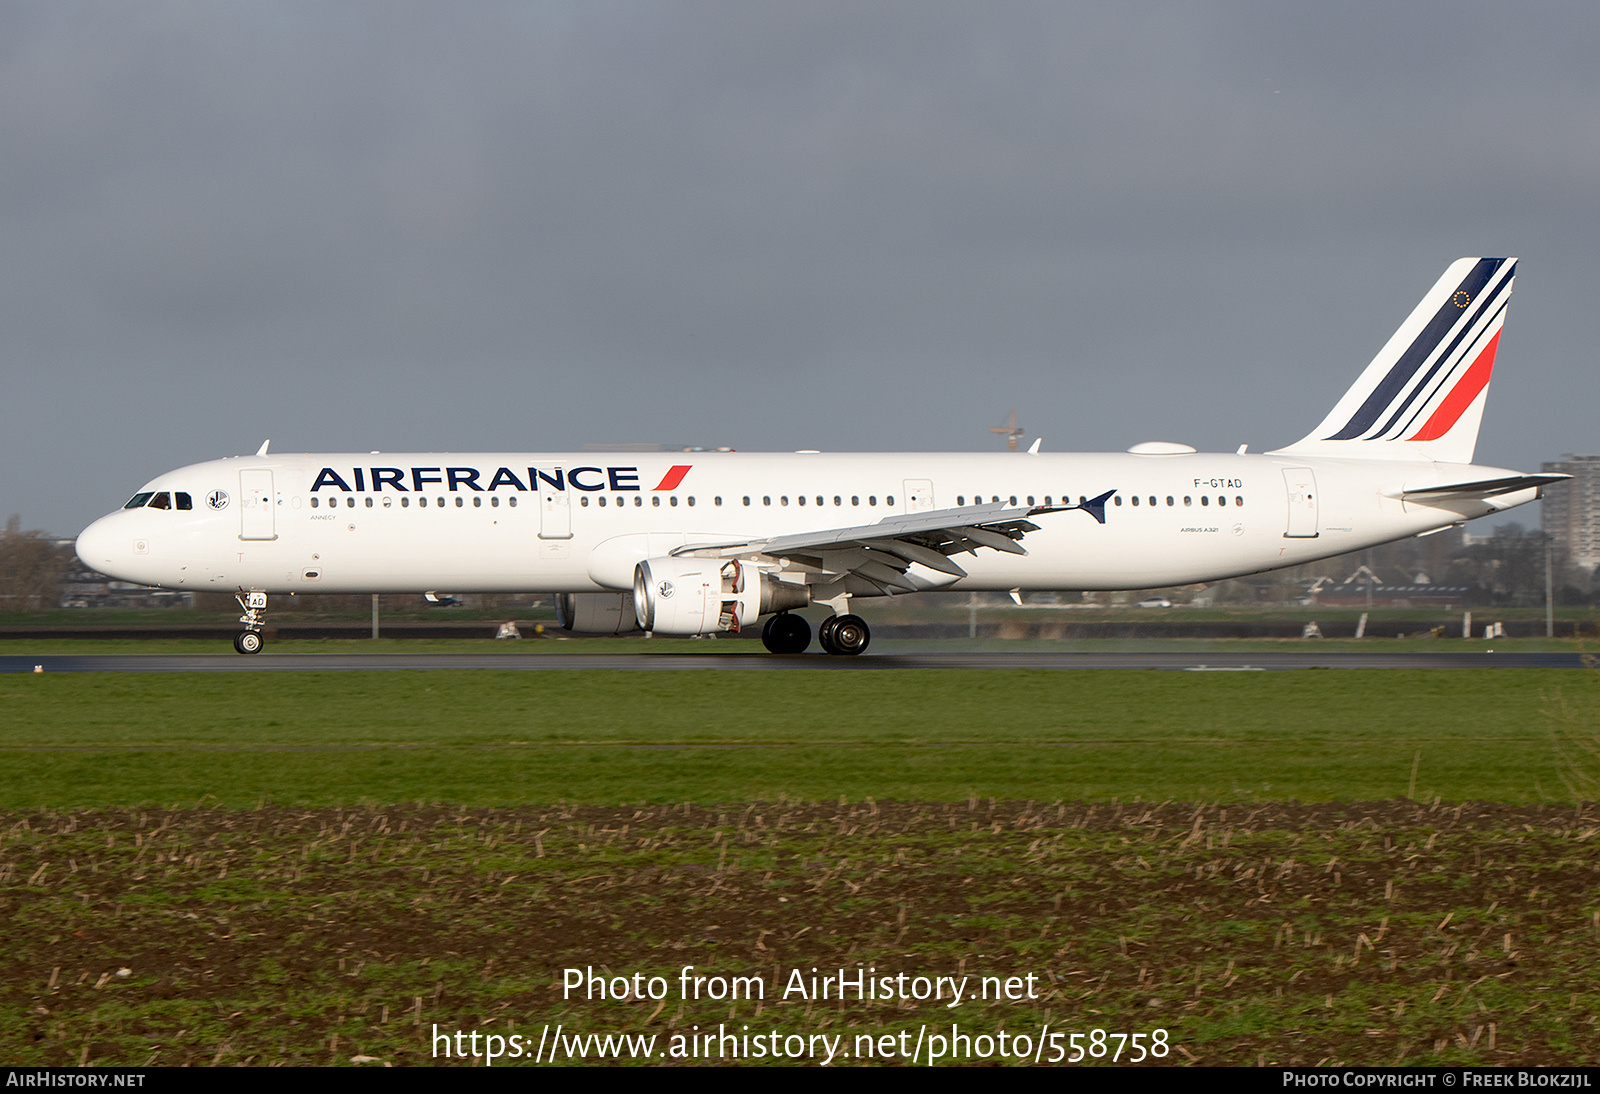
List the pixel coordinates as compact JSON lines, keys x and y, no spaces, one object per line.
{"x":1570,"y":511}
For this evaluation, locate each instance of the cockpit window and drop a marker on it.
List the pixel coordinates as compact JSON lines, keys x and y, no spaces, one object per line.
{"x":162,"y":500}
{"x":183,"y":500}
{"x":138,"y":500}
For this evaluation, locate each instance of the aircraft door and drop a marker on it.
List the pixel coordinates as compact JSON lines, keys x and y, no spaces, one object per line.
{"x":919,"y":495}
{"x":555,"y":509}
{"x":255,"y":505}
{"x":1302,"y":488}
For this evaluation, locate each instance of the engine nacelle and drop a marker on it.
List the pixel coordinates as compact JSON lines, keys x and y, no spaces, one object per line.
{"x":597,"y":613}
{"x":708,"y":595}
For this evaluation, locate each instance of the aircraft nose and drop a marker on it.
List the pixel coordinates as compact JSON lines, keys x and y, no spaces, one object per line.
{"x":94,"y":545}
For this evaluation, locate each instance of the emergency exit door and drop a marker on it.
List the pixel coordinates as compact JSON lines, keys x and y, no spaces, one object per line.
{"x":555,"y":512}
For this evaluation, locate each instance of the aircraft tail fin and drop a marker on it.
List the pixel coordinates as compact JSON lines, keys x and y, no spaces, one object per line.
{"x":1422,"y":396}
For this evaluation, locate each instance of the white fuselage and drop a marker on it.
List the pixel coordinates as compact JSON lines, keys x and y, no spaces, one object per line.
{"x":518,"y":522}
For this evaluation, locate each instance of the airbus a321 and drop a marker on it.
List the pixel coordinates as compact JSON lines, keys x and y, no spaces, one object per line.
{"x":715,"y":543}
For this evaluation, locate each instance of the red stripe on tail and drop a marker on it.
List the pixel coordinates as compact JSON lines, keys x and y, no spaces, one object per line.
{"x":675,"y":475}
{"x":1466,"y":390}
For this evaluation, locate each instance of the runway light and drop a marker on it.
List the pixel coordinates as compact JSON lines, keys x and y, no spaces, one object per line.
{"x":38,"y":668}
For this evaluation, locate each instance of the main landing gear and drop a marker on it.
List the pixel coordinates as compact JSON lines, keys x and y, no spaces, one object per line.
{"x":786,"y":633}
{"x":845,"y":635}
{"x":254,"y":618}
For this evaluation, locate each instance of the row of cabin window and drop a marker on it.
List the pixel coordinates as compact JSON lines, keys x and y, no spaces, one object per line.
{"x":405,"y":502}
{"x":1187,"y":500}
{"x":1066,"y":499}
{"x":583,"y":500}
{"x":150,"y":499}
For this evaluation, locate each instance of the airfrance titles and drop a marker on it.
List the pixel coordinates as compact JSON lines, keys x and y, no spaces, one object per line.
{"x":361,"y":480}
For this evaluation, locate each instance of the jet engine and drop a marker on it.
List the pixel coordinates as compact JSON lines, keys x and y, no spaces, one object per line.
{"x":708,"y":595}
{"x":597,"y":613}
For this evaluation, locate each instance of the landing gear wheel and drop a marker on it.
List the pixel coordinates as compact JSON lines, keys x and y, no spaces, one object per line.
{"x":825,"y":634}
{"x":247,"y":642}
{"x":846,"y":635}
{"x":786,"y":633}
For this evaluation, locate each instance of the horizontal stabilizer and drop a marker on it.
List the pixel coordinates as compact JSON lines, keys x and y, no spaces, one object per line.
{"x":1484,"y":488}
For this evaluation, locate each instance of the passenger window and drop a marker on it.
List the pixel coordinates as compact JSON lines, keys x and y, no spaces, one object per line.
{"x":369,"y":501}
{"x":162,"y":500}
{"x":801,"y":499}
{"x":388,"y":502}
{"x":1187,"y":500}
{"x":422,"y":503}
{"x":872,"y":499}
{"x":512,"y":501}
{"x":673,"y":500}
{"x":313,"y":502}
{"x":1222,"y":499}
{"x":716,"y":500}
{"x":1117,"y":500}
{"x":837,"y":500}
{"x":889,"y":500}
{"x":349,"y":503}
{"x":747,"y":500}
{"x":766,"y":501}
{"x":183,"y":500}
{"x":1047,"y":500}
{"x":477,"y":502}
{"x":1204,"y":500}
{"x":819,"y":499}
{"x":602,"y":501}
{"x":1169,"y":500}
{"x":405,"y":502}
{"x":1135,"y":500}
{"x":1238,"y":501}
{"x":459,"y":503}
{"x":961,"y":499}
{"x":783,"y":500}
{"x":1030,"y":499}
{"x":584,"y":501}
{"x":691,"y":499}
{"x":1152,"y":499}
{"x":138,"y":500}
{"x":655,"y":499}
{"x":494,"y":502}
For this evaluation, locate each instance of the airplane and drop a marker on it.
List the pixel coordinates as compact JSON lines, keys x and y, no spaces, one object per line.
{"x":710,"y":543}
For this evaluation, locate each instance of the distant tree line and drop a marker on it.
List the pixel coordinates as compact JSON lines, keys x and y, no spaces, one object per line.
{"x":31,"y":568}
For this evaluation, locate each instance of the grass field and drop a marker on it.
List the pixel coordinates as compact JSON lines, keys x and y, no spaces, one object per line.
{"x":320,"y":867}
{"x":506,"y":738}
{"x":1364,"y":934}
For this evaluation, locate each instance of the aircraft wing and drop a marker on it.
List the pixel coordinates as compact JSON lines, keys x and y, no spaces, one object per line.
{"x":881,"y":553}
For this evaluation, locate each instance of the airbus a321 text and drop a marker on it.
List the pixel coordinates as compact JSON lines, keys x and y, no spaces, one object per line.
{"x":710,"y":543}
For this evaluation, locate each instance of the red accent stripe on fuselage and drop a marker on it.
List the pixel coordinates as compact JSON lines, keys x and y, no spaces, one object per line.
{"x":675,"y":475}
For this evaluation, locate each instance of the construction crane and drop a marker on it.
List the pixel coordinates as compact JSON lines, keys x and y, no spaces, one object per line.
{"x":1011,"y":430}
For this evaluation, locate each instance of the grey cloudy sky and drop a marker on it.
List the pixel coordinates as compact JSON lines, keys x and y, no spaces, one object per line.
{"x":772,"y":226}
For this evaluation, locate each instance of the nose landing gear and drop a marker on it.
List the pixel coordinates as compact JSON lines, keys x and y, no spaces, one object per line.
{"x":254,"y":618}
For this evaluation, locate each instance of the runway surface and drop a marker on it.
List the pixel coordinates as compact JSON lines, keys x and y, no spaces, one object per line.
{"x":1188,"y":662}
